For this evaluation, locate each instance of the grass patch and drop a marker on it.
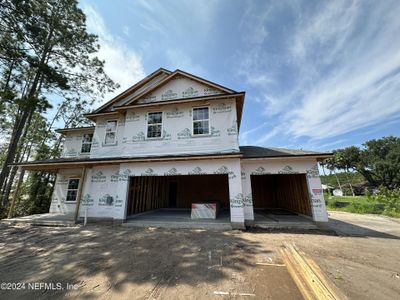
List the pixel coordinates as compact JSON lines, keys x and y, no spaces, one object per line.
{"x":357,"y":204}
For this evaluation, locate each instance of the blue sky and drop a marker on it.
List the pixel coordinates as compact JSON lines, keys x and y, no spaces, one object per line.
{"x":317,"y":74}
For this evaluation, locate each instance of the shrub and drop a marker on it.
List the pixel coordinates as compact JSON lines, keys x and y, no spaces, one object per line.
{"x":389,"y":198}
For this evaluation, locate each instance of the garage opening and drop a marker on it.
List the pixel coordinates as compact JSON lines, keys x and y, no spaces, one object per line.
{"x":176,"y":193}
{"x":281,"y":194}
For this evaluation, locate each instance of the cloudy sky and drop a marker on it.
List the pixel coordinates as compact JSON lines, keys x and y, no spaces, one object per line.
{"x":317,"y":74}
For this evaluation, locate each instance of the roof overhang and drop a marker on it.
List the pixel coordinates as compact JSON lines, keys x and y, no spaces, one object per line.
{"x":73,"y":164}
{"x":317,"y":156}
{"x":93,"y":116}
{"x":66,"y":130}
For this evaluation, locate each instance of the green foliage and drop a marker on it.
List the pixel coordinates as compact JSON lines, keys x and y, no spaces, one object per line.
{"x":389,"y":198}
{"x":385,"y":201}
{"x":330,"y":179}
{"x":378,"y":161}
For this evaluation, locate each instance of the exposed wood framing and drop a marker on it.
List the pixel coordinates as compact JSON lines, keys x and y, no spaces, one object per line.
{"x":152,"y":192}
{"x":288,"y":191}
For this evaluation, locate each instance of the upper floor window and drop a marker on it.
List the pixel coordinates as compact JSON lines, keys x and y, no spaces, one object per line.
{"x":201,"y":121}
{"x":72,"y":190}
{"x":154,"y":124}
{"x":86,"y":142}
{"x":111,"y":133}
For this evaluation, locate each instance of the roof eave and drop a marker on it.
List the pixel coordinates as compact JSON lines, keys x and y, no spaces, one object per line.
{"x":32,"y":166}
{"x":179,"y":101}
{"x":65,"y":130}
{"x":317,"y":156}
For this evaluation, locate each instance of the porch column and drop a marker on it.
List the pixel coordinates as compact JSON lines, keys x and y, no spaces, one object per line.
{"x":121,"y":197}
{"x":247,"y":196}
{"x":80,"y":191}
{"x":318,"y":207}
{"x":86,"y":200}
{"x":236,"y":198}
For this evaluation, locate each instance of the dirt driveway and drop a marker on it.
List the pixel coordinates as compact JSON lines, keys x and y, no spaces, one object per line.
{"x":121,"y":263}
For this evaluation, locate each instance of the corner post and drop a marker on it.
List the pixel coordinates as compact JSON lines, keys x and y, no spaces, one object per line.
{"x":78,"y":202}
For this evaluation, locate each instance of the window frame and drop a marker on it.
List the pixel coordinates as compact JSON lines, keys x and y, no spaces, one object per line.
{"x":209,"y":121}
{"x":91,"y":141}
{"x":116,"y":130}
{"x":68,"y":189}
{"x":155,"y":124}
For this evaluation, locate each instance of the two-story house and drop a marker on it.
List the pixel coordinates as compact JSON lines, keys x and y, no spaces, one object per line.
{"x":169,"y":141}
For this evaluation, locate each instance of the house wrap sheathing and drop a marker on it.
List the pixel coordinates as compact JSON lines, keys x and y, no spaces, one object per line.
{"x":182,"y":131}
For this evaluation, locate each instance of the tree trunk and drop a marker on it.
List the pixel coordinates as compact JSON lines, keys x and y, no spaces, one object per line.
{"x":349,"y":182}
{"x":12,"y":147}
{"x":10,"y":179}
{"x":16,"y":194}
{"x":337,"y":179}
{"x":17,"y":190}
{"x":27,"y":109}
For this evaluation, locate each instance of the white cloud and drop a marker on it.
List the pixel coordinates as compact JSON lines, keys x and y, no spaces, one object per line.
{"x":179,"y":60}
{"x":341,"y":62}
{"x":126,"y":31}
{"x":123,"y":65}
{"x":244,"y":135}
{"x":253,"y":24}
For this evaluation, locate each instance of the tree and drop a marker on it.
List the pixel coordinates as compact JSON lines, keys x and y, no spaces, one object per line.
{"x":44,"y":50}
{"x":378,"y":161}
{"x":331,"y":164}
{"x":343,"y":159}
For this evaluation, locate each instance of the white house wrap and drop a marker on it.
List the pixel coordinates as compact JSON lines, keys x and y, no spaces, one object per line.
{"x":171,"y":141}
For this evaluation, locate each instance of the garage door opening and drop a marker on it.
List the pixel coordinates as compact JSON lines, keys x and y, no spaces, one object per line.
{"x":171,"y":197}
{"x":281,"y":194}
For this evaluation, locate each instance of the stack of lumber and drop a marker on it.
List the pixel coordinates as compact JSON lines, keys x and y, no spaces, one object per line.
{"x":309,"y":278}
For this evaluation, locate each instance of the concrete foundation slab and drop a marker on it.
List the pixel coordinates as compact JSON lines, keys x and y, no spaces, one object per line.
{"x":281,"y":221}
{"x":178,"y":218}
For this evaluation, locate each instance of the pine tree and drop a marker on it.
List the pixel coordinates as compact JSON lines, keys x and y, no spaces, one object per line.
{"x":44,"y":49}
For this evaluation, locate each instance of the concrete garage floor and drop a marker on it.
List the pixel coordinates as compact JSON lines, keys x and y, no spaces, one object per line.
{"x":279,"y":219}
{"x":180,"y":218}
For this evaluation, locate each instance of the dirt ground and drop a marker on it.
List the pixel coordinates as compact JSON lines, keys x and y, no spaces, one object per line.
{"x":119,"y":262}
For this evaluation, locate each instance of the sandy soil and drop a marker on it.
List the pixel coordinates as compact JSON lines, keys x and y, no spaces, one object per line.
{"x":120,"y":263}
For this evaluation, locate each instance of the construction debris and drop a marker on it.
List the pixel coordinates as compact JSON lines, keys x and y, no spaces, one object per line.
{"x":233,"y":294}
{"x":270,"y":264}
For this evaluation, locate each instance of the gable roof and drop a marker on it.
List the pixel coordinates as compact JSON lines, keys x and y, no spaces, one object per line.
{"x":143,"y":82}
{"x":184,"y":74}
{"x":132,"y":89}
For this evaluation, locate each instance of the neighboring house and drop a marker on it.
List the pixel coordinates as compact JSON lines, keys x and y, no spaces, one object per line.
{"x":171,"y":140}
